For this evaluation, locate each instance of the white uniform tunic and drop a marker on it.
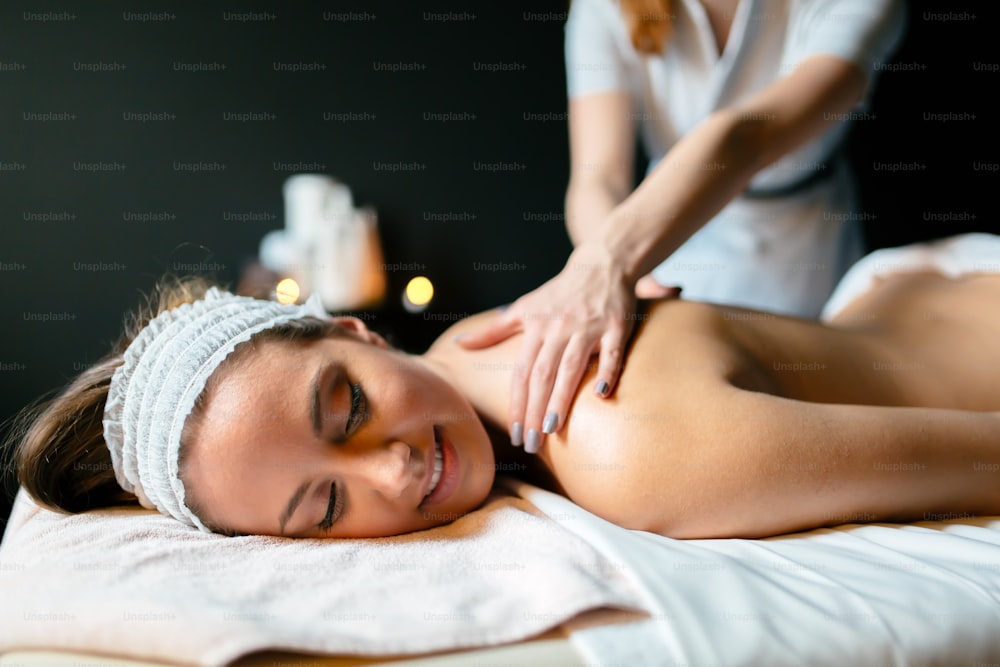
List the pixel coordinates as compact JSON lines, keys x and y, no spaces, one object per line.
{"x":785,"y":242}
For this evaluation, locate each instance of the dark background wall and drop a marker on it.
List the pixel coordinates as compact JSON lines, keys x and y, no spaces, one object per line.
{"x":77,"y":166}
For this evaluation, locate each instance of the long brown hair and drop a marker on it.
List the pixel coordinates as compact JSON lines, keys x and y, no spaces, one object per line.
{"x":59,"y":449}
{"x":648,"y":24}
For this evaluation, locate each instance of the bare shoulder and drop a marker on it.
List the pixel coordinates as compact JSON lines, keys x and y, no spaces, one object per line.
{"x":464,"y":326}
{"x":626,"y":458}
{"x":629,"y":458}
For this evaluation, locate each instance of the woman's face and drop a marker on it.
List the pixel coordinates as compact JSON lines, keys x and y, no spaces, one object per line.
{"x":335,"y":438}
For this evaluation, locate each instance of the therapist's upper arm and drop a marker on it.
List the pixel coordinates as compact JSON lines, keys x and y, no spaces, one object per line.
{"x":831,"y":57}
{"x":799,"y":106}
{"x":602,"y":141}
{"x":601,"y":125}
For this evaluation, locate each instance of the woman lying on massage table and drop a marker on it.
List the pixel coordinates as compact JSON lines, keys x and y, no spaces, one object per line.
{"x":726,"y":422}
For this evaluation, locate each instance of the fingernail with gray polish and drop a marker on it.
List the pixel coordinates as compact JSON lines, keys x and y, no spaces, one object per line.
{"x":549,"y":425}
{"x":517,"y":434}
{"x":531,"y":444}
{"x":602,"y":388}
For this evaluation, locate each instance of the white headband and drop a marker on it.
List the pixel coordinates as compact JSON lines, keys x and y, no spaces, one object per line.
{"x":165,"y":369}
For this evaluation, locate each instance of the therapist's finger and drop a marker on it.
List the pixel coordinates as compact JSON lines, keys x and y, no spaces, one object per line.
{"x":530,"y":346}
{"x":648,"y":288}
{"x":499,"y":330}
{"x":610,"y":361}
{"x":540,"y":381}
{"x":571,"y":369}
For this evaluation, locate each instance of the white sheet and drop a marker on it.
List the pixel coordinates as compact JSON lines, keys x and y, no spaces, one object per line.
{"x":875,"y":595}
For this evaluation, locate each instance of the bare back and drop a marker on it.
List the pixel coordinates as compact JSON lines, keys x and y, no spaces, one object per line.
{"x":918,"y":340}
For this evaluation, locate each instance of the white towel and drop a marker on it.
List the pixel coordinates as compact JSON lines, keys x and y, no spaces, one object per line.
{"x":134,"y":583}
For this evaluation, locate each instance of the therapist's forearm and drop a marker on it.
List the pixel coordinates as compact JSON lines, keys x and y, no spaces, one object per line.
{"x":588,"y":204}
{"x":694,"y":181}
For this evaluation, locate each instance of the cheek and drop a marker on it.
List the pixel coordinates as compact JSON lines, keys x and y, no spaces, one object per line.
{"x":396,"y":388}
{"x":413,"y":396}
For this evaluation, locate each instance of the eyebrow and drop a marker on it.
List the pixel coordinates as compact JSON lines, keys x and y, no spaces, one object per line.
{"x":314,"y":409}
{"x":316,"y":415}
{"x":295,"y":501}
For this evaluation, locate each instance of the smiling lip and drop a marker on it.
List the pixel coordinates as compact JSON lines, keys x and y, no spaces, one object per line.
{"x":429,"y":474}
{"x":449,"y":471}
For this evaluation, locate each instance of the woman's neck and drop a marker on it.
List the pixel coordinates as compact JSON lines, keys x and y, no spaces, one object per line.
{"x":483,"y":377}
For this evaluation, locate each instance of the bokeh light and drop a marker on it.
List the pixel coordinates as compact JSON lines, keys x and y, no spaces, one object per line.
{"x":287,"y":291}
{"x":419,"y":292}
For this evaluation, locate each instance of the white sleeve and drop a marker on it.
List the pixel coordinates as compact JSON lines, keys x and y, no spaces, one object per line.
{"x":595,"y":61}
{"x":864,"y":32}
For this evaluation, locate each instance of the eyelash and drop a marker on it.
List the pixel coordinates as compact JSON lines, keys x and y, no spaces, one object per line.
{"x":356,"y":415}
{"x":333,"y":509}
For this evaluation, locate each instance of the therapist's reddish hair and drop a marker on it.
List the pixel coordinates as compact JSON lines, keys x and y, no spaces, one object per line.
{"x":648,"y":24}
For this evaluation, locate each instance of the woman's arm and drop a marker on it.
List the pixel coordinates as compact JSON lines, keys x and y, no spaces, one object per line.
{"x":758,"y":465}
{"x":602,"y":155}
{"x":602,"y":147}
{"x":585,"y":308}
{"x":714,"y":162}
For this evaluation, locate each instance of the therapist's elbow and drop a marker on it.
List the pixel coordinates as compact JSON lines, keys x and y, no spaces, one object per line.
{"x":745,"y":138}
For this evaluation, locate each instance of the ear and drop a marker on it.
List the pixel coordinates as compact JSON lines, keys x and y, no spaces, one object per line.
{"x":358,"y":328}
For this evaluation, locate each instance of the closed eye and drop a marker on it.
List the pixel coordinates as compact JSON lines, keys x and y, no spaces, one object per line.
{"x":334,"y":508}
{"x":359,"y":408}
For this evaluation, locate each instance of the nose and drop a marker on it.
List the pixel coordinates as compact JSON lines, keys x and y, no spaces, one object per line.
{"x":389,"y":470}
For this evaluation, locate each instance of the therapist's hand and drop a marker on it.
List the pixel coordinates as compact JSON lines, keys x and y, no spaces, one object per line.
{"x":587,"y":309}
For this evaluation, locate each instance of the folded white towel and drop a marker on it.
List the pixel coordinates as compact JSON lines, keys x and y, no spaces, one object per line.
{"x":135,"y":583}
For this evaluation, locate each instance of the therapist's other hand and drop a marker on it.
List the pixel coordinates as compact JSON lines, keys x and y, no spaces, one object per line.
{"x":587,"y":309}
